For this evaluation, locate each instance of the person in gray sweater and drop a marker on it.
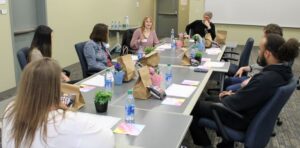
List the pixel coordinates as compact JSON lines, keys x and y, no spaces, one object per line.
{"x":96,"y":50}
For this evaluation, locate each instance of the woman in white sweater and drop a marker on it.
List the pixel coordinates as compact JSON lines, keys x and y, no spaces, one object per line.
{"x":37,"y":118}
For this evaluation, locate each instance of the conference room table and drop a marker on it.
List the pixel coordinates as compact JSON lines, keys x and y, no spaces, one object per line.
{"x":165,"y":125}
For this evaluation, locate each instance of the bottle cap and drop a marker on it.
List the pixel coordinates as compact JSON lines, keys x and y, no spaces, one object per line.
{"x":130,"y":91}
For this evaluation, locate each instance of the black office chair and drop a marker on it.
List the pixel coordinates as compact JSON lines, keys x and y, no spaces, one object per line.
{"x":22,"y":56}
{"x":244,"y":58}
{"x":262,"y":125}
{"x":79,"y":47}
{"x":127,"y":36}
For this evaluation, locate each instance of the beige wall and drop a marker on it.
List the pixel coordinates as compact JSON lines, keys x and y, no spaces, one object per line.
{"x":237,"y":33}
{"x":7,"y":79}
{"x":72,"y":21}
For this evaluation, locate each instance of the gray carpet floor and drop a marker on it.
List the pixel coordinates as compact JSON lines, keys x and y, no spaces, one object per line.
{"x":288,"y":135}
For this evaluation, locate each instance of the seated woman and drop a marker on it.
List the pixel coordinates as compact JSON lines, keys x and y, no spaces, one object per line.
{"x":249,"y":100}
{"x":144,"y":36}
{"x":41,"y":46}
{"x":202,"y":27}
{"x":38,"y":118}
{"x":96,"y":50}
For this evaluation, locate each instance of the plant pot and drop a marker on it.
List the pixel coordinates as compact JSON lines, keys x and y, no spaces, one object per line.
{"x":101,"y":108}
{"x":198,"y":59}
{"x":119,"y":77}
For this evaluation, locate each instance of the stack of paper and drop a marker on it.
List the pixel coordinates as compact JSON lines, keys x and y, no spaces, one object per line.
{"x":213,"y":51}
{"x":163,"y":47}
{"x":173,"y":101}
{"x":214,"y":64}
{"x":130,"y":129}
{"x":182,"y":91}
{"x":190,"y":82}
{"x":98,"y":80}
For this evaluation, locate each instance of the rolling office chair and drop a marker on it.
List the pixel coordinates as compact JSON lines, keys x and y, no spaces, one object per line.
{"x":244,"y":58}
{"x":127,"y":36}
{"x":22,"y":56}
{"x":84,"y":67}
{"x":261,"y":126}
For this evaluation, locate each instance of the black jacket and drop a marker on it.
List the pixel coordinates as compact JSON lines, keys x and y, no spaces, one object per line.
{"x":250,"y":99}
{"x":198,"y":27}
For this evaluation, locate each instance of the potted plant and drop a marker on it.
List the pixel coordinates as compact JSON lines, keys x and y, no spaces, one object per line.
{"x":148,"y":50}
{"x":198,"y":56}
{"x":101,"y":100}
{"x":118,"y":74}
{"x":196,"y":38}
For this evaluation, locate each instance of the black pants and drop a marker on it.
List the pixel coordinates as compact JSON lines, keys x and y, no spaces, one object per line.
{"x":202,"y":110}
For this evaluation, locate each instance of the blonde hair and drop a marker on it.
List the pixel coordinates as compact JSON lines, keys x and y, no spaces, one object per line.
{"x":144,"y":22}
{"x":39,"y":92}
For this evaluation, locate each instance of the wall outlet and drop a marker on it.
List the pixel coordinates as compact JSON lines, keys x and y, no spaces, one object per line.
{"x":3,"y":11}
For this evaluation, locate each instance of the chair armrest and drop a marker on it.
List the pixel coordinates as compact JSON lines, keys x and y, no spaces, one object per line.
{"x":229,"y":59}
{"x":219,"y":107}
{"x":231,"y":52}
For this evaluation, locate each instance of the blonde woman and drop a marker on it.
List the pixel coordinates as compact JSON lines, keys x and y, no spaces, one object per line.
{"x":144,"y":36}
{"x":37,"y":118}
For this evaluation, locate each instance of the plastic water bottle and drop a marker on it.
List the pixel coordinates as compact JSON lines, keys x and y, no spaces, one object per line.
{"x":173,"y":42}
{"x":168,"y":76}
{"x":129,"y":107}
{"x":112,"y":25}
{"x":127,"y":21}
{"x":201,"y":45}
{"x":108,"y":80}
{"x":192,"y":53}
{"x":140,"y":53}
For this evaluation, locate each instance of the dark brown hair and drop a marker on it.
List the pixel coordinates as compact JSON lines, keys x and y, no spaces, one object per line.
{"x":284,"y":51}
{"x":42,"y":40}
{"x":273,"y":28}
{"x":99,"y":33}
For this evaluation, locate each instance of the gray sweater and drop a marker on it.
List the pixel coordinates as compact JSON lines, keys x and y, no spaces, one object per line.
{"x":96,"y":55}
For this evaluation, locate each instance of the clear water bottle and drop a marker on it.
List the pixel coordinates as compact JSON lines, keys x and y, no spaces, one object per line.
{"x":127,"y":21}
{"x":112,"y":25}
{"x":201,"y":45}
{"x":108,"y":80}
{"x":140,"y":53}
{"x":173,"y":41}
{"x":168,"y":76}
{"x":192,"y":53}
{"x":129,"y":107}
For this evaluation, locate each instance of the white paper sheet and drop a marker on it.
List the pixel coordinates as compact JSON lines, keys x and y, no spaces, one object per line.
{"x":214,"y":64}
{"x":98,"y":80}
{"x":173,"y":101}
{"x":213,"y":51}
{"x":163,"y":47}
{"x":190,"y":82}
{"x":183,"y":91}
{"x":107,"y":121}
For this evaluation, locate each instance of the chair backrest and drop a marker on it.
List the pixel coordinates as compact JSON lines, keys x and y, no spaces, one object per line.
{"x":245,"y":55}
{"x":261,"y":127}
{"x":22,"y":56}
{"x":127,"y":36}
{"x":79,"y":50}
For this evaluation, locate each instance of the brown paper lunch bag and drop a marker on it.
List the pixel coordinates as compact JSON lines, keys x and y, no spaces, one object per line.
{"x":140,"y":90}
{"x":208,"y":40}
{"x":127,"y":66}
{"x":185,"y":61}
{"x":152,"y":59}
{"x":221,"y":37}
{"x":74,"y":90}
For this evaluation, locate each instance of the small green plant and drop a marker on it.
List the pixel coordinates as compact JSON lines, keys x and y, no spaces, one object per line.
{"x":148,"y":50}
{"x":196,"y":37}
{"x":198,"y":55}
{"x":102,"y":97}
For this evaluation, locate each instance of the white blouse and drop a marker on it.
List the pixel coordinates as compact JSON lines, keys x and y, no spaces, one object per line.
{"x":75,"y":130}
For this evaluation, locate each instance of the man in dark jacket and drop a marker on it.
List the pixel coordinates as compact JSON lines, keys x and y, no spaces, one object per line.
{"x":273,"y":50}
{"x":202,"y":27}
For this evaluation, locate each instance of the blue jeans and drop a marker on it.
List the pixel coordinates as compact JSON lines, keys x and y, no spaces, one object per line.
{"x":234,"y":83}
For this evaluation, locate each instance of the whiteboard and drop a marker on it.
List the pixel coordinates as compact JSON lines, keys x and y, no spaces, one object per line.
{"x":286,"y":13}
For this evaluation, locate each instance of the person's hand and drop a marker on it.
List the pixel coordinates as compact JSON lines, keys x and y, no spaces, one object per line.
{"x":245,"y":82}
{"x":240,"y":72}
{"x":225,"y":93}
{"x":64,"y":78}
{"x":207,"y":24}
